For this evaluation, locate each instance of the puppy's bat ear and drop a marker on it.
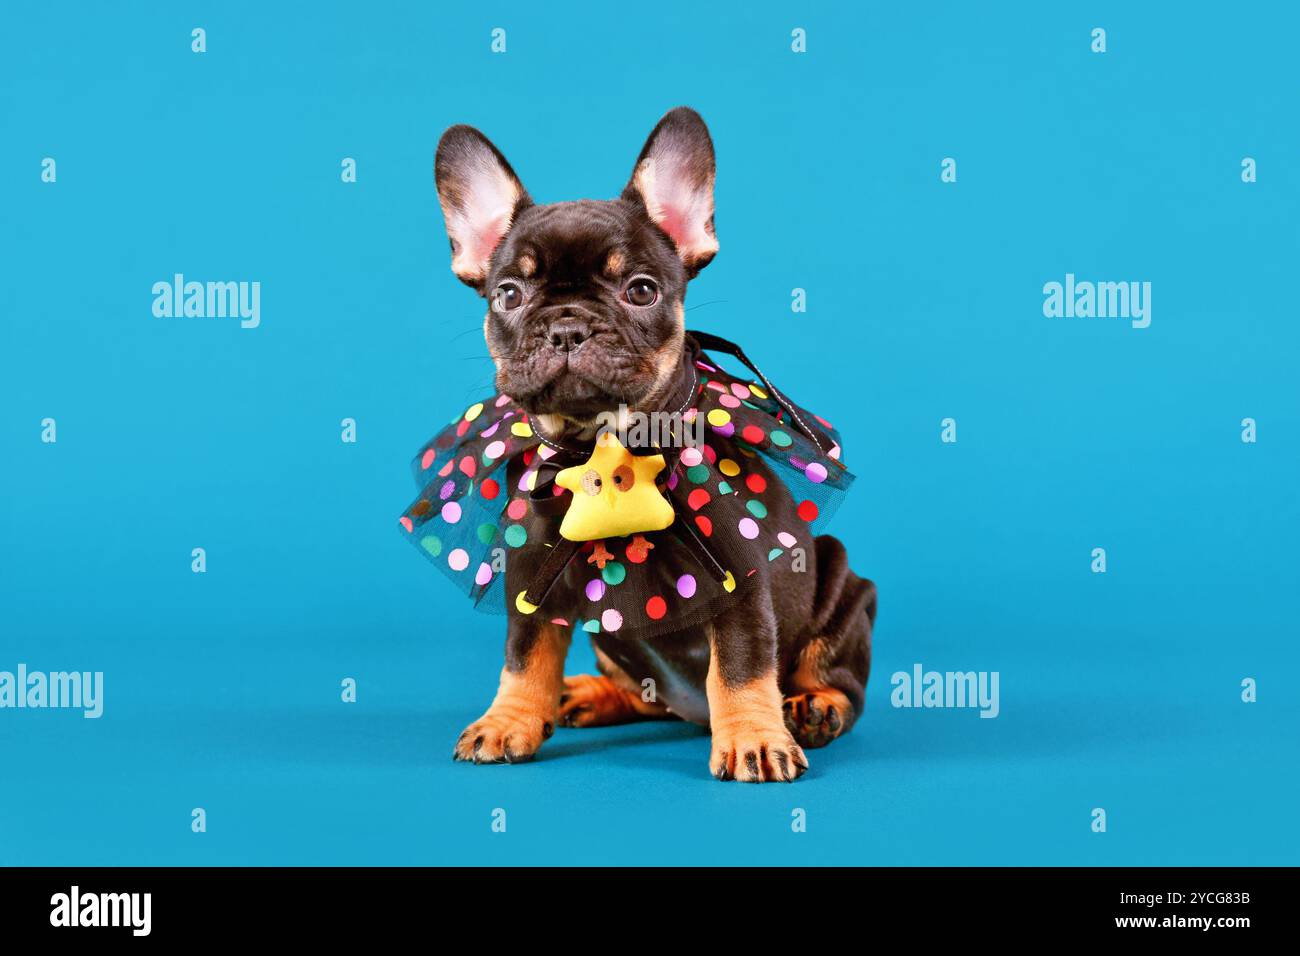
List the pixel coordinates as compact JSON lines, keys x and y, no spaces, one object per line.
{"x":480,"y":196}
{"x":673,"y":180}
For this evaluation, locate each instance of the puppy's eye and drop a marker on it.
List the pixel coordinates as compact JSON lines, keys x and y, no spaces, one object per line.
{"x":641,"y":292}
{"x":507,"y":297}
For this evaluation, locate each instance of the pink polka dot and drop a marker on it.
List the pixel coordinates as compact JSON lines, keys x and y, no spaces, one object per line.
{"x":517,"y":508}
{"x":468,"y":466}
{"x":611,"y":620}
{"x":728,"y":401}
{"x":740,"y":391}
{"x":686,"y":585}
{"x":445,"y":470}
{"x":483,"y":575}
{"x":428,"y":458}
{"x":451,"y":512}
{"x":595,"y":589}
{"x":406,"y":523}
{"x":458,"y":560}
{"x":816,"y":472}
{"x":787,"y":539}
{"x":495,"y":450}
{"x":492,"y":430}
{"x":691,"y":457}
{"x":748,"y":528}
{"x":503,"y":400}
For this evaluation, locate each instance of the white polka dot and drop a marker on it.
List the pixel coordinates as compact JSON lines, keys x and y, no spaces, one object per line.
{"x":458,"y":560}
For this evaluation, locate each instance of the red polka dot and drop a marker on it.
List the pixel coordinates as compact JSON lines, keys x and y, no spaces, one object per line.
{"x":752,"y":434}
{"x":807,"y":511}
{"x":407,"y":523}
{"x":704,"y":524}
{"x":528,"y":457}
{"x":429,"y":456}
{"x":697,"y":499}
{"x":710,"y":455}
{"x":445,"y":470}
{"x":656,"y":608}
{"x":489,"y":489}
{"x":756,"y":483}
{"x":468,"y":466}
{"x":518,"y":508}
{"x":462,"y":428}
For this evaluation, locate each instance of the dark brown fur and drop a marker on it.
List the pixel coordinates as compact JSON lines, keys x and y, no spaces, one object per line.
{"x":787,"y":666}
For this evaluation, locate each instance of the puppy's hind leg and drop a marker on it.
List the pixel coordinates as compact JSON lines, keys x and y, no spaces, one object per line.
{"x":825,"y":690}
{"x":612,"y":697}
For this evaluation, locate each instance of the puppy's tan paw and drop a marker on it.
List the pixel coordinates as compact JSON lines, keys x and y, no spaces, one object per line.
{"x":756,"y":754}
{"x":592,"y":701}
{"x":818,"y":717}
{"x":503,"y":736}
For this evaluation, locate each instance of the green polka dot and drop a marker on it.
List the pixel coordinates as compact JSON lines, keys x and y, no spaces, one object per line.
{"x":432,"y":544}
{"x":774,"y":554}
{"x":591,"y":627}
{"x":757,"y":508}
{"x":487,"y":533}
{"x":698,"y":473}
{"x":780,"y":438}
{"x":516,"y":536}
{"x":724,"y":488}
{"x":614,"y":573}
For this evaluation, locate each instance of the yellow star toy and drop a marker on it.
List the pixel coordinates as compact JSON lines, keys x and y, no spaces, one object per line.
{"x":614,"y":494}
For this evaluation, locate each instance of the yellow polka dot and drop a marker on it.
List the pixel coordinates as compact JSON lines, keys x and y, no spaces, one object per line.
{"x":525,"y":608}
{"x":719,"y":417}
{"x":729,"y":584}
{"x":474,"y":411}
{"x":531,"y":481}
{"x":521,"y":429}
{"x":757,"y":392}
{"x":729,"y":468}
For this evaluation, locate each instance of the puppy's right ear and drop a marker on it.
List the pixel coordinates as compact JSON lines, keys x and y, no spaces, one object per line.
{"x":480,"y":196}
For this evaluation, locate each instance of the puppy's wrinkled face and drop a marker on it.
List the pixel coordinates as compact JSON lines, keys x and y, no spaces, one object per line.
{"x":585,"y":299}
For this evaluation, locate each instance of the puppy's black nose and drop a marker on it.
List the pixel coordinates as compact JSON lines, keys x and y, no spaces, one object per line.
{"x":568,"y":333}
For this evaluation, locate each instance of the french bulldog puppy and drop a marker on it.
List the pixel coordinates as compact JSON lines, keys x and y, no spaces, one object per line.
{"x":585,"y":313}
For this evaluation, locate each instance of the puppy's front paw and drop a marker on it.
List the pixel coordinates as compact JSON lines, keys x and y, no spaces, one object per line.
{"x":503,"y":736}
{"x":756,"y":754}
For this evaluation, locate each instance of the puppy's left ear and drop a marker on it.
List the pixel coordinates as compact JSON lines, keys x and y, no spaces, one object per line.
{"x":673,"y":180}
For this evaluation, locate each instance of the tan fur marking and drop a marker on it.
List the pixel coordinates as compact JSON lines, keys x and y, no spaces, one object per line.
{"x":614,"y":264}
{"x":592,"y":701}
{"x":526,"y":266}
{"x":525,"y":709}
{"x":750,"y":739}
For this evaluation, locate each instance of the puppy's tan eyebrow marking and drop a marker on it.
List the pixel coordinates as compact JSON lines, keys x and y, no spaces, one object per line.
{"x":614,"y":263}
{"x":526,"y":266}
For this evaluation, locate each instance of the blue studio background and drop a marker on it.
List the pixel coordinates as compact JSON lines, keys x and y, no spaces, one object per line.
{"x":1119,"y":690}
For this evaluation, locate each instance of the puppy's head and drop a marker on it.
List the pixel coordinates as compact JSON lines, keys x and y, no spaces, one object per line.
{"x":584,"y":298}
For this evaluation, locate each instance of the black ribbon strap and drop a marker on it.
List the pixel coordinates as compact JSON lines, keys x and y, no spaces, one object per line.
{"x":716,"y":343}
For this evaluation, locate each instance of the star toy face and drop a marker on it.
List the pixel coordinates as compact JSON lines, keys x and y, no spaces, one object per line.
{"x":614,"y":494}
